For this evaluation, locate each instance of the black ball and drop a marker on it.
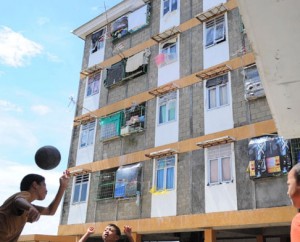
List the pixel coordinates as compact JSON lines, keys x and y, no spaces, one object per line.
{"x":47,"y":157}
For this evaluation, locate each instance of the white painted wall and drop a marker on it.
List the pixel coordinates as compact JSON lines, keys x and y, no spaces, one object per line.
{"x":78,"y":211}
{"x":221,"y":197}
{"x":170,"y":19}
{"x":207,"y":4}
{"x":221,"y":118}
{"x":163,"y":205}
{"x":169,"y":72}
{"x":97,"y":57}
{"x":167,"y":133}
{"x":218,"y":53}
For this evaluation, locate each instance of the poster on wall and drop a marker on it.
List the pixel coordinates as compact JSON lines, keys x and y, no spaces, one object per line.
{"x":128,"y":181}
{"x":269,"y":156}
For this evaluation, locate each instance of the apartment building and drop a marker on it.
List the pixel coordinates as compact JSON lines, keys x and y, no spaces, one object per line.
{"x":173,"y":133}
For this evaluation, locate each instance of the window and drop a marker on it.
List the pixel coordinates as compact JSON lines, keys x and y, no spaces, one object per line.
{"x":114,"y":74}
{"x":169,"y":50}
{"x":219,"y":164}
{"x":219,"y":170}
{"x":93,"y":85}
{"x":169,"y":6}
{"x":97,"y":40}
{"x":106,"y":186}
{"x":217,"y":91}
{"x":167,"y":107}
{"x":134,"y":120}
{"x":215,"y":31}
{"x":80,"y":189}
{"x":87,"y":134}
{"x":165,"y":173}
{"x":253,"y":85}
{"x":111,"y":126}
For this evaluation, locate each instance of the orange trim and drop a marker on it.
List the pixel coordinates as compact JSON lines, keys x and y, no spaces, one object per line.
{"x":240,"y":133}
{"x":256,"y":218}
{"x":180,"y":83}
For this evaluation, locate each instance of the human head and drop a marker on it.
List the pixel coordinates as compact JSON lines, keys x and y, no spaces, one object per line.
{"x":29,"y":179}
{"x":111,"y":233}
{"x":293,"y":183}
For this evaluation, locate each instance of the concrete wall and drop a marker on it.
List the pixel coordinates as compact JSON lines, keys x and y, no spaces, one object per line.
{"x":191,"y":182}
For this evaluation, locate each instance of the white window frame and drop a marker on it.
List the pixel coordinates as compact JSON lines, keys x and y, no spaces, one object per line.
{"x":87,"y":134}
{"x":220,"y":178}
{"x":80,"y":191}
{"x":93,"y":85}
{"x":167,"y":100}
{"x":212,"y":26}
{"x":165,"y":169}
{"x":219,"y":102}
{"x":169,"y":54}
{"x":169,"y":4}
{"x":219,"y":154}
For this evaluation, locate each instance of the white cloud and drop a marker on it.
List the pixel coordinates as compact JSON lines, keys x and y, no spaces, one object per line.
{"x":8,"y":106}
{"x":53,"y":58}
{"x":41,"y":109}
{"x":15,"y":49}
{"x":17,"y":133}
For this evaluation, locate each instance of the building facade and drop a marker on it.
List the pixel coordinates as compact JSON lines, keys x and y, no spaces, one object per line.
{"x":172,"y":133}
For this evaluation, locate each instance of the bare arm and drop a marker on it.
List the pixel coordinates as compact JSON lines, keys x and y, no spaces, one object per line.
{"x":23,"y":204}
{"x":127,"y":231}
{"x":89,"y":231}
{"x":51,"y":209}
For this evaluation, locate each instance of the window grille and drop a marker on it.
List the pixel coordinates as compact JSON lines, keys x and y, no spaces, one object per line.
{"x":111,"y":126}
{"x":134,"y":120}
{"x":253,"y":85}
{"x":295,"y":150}
{"x":106,"y":185}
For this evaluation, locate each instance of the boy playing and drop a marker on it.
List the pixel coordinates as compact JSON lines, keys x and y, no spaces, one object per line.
{"x":293,"y":192}
{"x":111,"y":233}
{"x":18,"y":209}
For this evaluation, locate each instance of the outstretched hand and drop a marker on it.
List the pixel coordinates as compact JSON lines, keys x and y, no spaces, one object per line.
{"x":64,"y":179}
{"x":90,"y":230}
{"x":127,"y":230}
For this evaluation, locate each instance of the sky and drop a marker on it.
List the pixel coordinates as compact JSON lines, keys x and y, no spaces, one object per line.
{"x":40,"y":62}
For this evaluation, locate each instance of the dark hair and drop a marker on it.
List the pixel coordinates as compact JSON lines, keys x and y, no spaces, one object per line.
{"x":296,"y":168}
{"x":118,"y":231}
{"x":29,"y":179}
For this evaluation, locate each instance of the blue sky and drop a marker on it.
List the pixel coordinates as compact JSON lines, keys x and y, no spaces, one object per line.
{"x":40,"y":62}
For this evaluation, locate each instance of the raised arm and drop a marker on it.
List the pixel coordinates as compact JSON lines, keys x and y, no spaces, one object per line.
{"x":63,"y":184}
{"x":89,"y":231}
{"x":127,"y":231}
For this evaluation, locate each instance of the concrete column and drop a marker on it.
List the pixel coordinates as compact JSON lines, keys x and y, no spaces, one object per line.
{"x":209,"y":235}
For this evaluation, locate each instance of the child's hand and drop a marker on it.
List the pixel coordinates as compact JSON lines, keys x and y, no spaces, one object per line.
{"x":90,"y":230}
{"x":127,"y":230}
